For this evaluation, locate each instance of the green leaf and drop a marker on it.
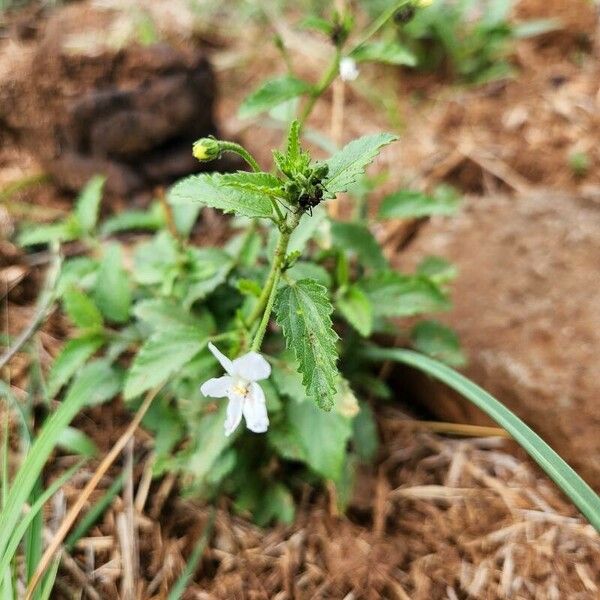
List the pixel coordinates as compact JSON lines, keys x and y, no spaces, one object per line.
{"x":96,"y":383}
{"x":438,"y":341}
{"x":133,"y":220}
{"x":72,"y":357}
{"x":257,"y":183}
{"x":385,"y":51}
{"x":162,"y":355}
{"x":81,"y":309}
{"x":293,"y":150}
{"x":347,"y":165}
{"x":272,"y":93}
{"x":356,"y":239}
{"x":276,"y":504}
{"x":406,"y":204}
{"x":304,"y":313}
{"x":155,"y":261}
{"x":437,"y":269}
{"x":357,"y":310}
{"x":365,"y":436}
{"x":310,"y":270}
{"x":77,"y":442}
{"x":318,"y":24}
{"x":586,"y":500}
{"x":213,"y":190}
{"x":112,"y":292}
{"x":322,"y":436}
{"x":396,"y":295}
{"x":63,"y":231}
{"x":288,"y":380}
{"x":88,"y":203}
{"x":162,"y":314}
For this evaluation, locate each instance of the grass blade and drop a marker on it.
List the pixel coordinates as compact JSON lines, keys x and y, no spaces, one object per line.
{"x":179,"y":588}
{"x":582,"y":495}
{"x":21,"y":528}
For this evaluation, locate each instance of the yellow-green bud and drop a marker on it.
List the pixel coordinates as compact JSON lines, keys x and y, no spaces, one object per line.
{"x":206,"y":149}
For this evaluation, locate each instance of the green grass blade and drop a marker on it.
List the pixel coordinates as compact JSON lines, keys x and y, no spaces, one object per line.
{"x":34,"y":543}
{"x":179,"y":588}
{"x":23,"y":524}
{"x":582,"y":495}
{"x":91,"y":385}
{"x":49,"y":579}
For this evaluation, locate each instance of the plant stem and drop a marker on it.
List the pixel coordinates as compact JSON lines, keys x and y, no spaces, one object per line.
{"x":270,"y":285}
{"x":241,"y":151}
{"x":322,"y":86}
{"x":379,"y":22}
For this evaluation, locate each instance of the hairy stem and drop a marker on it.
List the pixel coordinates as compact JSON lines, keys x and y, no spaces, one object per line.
{"x":327,"y":79}
{"x":241,"y":151}
{"x":275,"y":271}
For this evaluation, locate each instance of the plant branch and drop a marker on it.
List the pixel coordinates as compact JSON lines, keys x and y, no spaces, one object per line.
{"x":241,"y":151}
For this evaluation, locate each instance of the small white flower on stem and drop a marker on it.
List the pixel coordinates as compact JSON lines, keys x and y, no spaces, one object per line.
{"x":348,"y":69}
{"x":246,"y":397}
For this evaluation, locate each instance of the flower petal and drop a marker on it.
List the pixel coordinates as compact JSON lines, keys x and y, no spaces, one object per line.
{"x":252,"y":367}
{"x":234,"y":414}
{"x":223,"y":360}
{"x":217,"y":387}
{"x":255,"y":410}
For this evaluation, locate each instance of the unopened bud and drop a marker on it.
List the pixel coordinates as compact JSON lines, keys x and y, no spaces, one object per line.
{"x":206,"y":149}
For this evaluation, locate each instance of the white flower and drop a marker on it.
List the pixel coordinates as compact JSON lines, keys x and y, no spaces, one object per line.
{"x":246,"y":397}
{"x":348,"y":69}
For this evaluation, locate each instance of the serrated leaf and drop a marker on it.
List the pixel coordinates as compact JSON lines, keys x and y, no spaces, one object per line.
{"x":112,"y":292}
{"x":357,"y":310}
{"x":88,"y":203}
{"x":304,"y":313}
{"x":163,"y":354}
{"x":347,"y":165}
{"x":439,"y":341}
{"x":258,"y":183}
{"x":212,"y":190}
{"x":293,"y":142}
{"x":357,"y":240}
{"x":271,"y":93}
{"x":395,"y":295}
{"x":72,"y":357}
{"x":81,"y":309}
{"x":385,"y":51}
{"x":409,"y":204}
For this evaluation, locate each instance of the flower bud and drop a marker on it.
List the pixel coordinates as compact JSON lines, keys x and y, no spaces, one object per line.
{"x":206,"y":149}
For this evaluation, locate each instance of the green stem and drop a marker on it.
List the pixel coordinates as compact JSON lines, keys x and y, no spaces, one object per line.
{"x":275,"y":271}
{"x":379,"y":22}
{"x":241,"y":151}
{"x":321,"y":87}
{"x":264,"y":322}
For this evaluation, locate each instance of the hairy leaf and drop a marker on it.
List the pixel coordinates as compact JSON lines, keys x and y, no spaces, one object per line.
{"x":356,"y":308}
{"x":258,"y":183}
{"x":409,"y":204}
{"x":271,"y":93}
{"x":395,"y":295}
{"x":213,"y":190}
{"x":72,"y":357}
{"x":112,"y":292}
{"x":304,"y":313}
{"x":81,"y":309}
{"x":356,"y":239}
{"x":164,"y":353}
{"x":347,"y":165}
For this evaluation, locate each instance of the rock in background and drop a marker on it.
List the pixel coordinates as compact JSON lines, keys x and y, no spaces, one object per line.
{"x":82,"y":104}
{"x":527,"y":309}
